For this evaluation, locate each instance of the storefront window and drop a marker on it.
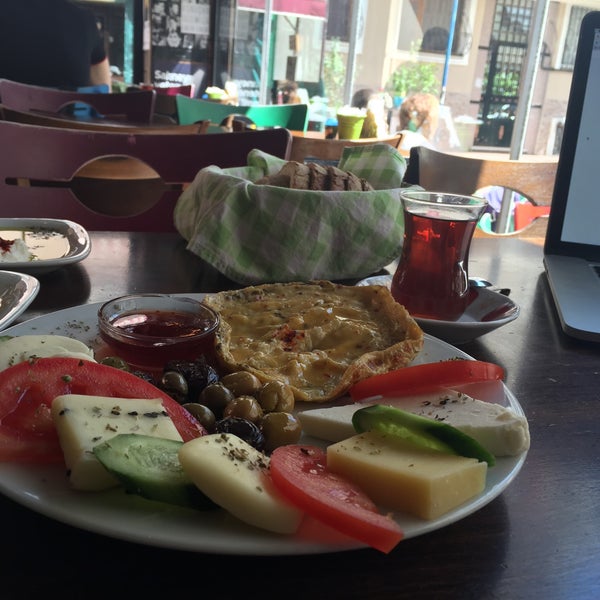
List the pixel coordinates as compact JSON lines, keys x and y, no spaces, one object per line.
{"x":425,"y":25}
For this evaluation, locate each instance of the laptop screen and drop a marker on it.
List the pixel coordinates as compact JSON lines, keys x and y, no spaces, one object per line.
{"x":574,"y":224}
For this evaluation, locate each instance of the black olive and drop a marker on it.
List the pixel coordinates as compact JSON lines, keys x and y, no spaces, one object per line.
{"x":145,"y":376}
{"x":197,"y":373}
{"x":244,"y":429}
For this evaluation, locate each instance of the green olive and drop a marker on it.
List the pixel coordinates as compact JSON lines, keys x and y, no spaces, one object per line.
{"x":116,"y":362}
{"x":276,"y":396}
{"x":174,"y":384}
{"x":203,"y":414}
{"x":280,"y":429}
{"x":242,"y":383}
{"x":216,"y":397}
{"x":244,"y":407}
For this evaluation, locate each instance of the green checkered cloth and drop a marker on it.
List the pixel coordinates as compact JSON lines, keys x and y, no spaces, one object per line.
{"x":265,"y":234}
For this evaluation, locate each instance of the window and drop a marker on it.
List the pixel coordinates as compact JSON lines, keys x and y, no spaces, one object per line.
{"x":338,"y":20}
{"x":570,"y":48}
{"x":424,"y":26}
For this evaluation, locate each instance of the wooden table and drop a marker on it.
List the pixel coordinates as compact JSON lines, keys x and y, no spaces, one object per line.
{"x":538,"y":539}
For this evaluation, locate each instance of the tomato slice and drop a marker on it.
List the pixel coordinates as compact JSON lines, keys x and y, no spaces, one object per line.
{"x":300,"y":474}
{"x":429,"y":377}
{"x":27,"y":433}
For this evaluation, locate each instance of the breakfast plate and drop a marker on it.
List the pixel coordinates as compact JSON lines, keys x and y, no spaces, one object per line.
{"x":17,"y":292}
{"x":114,"y":513}
{"x":54,"y":243}
{"x":487,"y":310}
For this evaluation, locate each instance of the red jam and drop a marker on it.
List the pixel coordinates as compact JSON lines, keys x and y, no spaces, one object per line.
{"x":163,"y":324}
{"x":147,"y":339}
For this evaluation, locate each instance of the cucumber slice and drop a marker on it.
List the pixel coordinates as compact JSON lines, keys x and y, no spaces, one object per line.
{"x":419,"y":430}
{"x":149,"y":467}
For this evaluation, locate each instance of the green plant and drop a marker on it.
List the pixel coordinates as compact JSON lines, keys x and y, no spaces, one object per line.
{"x":413,"y":76}
{"x":334,"y":73}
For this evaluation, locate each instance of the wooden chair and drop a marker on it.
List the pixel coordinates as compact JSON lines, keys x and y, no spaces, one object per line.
{"x":66,"y":122}
{"x":135,"y":107}
{"x":50,"y":172}
{"x":461,"y":174}
{"x":304,"y":149}
{"x":290,"y":116}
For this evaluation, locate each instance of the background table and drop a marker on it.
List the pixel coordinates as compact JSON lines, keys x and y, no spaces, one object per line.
{"x":539,"y":539}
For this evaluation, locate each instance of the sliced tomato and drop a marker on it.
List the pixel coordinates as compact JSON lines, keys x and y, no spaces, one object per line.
{"x":429,"y":377}
{"x":27,"y":390}
{"x":300,"y":474}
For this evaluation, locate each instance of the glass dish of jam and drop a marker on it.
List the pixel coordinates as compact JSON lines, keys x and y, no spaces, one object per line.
{"x":147,"y":330}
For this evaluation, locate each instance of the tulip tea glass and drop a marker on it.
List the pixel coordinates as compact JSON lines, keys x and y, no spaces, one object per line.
{"x":432,"y":279}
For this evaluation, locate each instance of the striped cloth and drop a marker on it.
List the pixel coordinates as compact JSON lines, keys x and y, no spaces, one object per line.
{"x":264,"y":234}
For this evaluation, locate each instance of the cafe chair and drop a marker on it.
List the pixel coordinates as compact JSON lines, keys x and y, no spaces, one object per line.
{"x":290,"y":116}
{"x":135,"y":107}
{"x":113,"y":181}
{"x":313,"y":149}
{"x":461,"y":174}
{"x":57,"y":120}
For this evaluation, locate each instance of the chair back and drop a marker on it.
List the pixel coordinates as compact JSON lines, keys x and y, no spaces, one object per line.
{"x":460,"y":174}
{"x":57,"y":120}
{"x":306,"y":149}
{"x":136,"y":107}
{"x":290,"y":116}
{"x":133,"y":180}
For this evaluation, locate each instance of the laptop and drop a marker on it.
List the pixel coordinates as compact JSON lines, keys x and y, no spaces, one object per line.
{"x":572,"y":244}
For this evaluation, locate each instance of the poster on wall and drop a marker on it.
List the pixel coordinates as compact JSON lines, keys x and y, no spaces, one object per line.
{"x":180,"y":38}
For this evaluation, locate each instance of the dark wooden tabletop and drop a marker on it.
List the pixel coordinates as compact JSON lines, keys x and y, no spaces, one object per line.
{"x":539,"y":539}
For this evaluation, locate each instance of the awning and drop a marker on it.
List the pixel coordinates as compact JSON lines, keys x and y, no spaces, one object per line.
{"x":300,"y":8}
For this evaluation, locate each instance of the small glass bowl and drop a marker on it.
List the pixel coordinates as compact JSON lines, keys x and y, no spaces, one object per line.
{"x":148,"y":330}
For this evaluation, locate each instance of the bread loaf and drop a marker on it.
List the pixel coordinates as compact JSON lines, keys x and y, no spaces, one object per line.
{"x":315,"y":177}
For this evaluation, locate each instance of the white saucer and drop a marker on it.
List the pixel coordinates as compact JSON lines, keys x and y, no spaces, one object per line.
{"x":17,"y":292}
{"x":486,"y":312}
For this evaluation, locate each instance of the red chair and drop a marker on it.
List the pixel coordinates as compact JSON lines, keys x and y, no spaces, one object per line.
{"x":135,"y":107}
{"x":113,"y":181}
{"x":526,"y":213}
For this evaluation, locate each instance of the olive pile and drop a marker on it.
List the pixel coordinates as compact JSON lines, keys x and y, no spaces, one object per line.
{"x":237,"y":403}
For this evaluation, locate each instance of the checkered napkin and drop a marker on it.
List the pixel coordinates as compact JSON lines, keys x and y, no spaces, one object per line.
{"x":263,"y":234}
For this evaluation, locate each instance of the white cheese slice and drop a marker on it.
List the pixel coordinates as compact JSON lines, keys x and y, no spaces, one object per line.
{"x":399,"y":476}
{"x":498,"y":429}
{"x":232,"y":474}
{"x":23,"y":347}
{"x":82,"y":422}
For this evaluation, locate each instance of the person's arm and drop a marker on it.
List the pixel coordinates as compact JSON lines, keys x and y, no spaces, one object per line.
{"x":100,"y":73}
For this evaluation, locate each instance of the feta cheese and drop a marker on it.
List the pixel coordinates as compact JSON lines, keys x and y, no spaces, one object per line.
{"x":14,"y":251}
{"x":23,"y":347}
{"x":399,"y":476}
{"x":498,"y":429}
{"x":82,"y":422}
{"x":232,"y":474}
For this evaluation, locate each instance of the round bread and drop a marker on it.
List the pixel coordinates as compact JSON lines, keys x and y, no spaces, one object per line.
{"x":318,"y":337}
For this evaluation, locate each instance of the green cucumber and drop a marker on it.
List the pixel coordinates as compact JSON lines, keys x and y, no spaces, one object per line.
{"x":149,"y":467}
{"x":424,"y":432}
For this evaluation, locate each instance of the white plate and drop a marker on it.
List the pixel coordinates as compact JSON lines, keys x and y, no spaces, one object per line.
{"x":77,"y":238}
{"x":486,"y":312}
{"x":44,"y":489}
{"x":17,"y":292}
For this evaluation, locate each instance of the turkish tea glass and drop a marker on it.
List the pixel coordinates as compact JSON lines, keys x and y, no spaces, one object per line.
{"x":432,"y":279}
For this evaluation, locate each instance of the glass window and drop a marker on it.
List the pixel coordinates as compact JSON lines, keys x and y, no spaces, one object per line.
{"x":425,"y":25}
{"x":568,"y":57}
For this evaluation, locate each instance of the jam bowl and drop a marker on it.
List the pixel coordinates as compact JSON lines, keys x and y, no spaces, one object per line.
{"x":148,"y":330}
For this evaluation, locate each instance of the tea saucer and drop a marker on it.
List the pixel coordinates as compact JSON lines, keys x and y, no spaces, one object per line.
{"x":486,"y":311}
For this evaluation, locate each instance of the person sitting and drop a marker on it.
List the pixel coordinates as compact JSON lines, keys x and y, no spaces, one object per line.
{"x":419,"y":117}
{"x":52,"y":43}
